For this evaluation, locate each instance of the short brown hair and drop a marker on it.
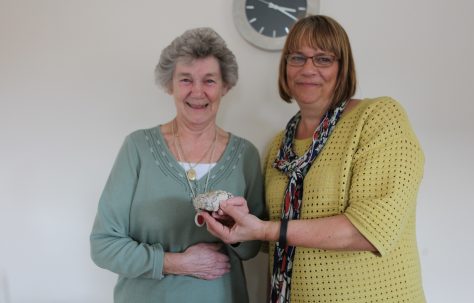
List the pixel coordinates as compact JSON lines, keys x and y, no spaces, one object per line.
{"x":327,"y":34}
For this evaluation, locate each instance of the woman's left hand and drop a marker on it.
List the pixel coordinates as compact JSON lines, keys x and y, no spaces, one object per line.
{"x":202,"y":260}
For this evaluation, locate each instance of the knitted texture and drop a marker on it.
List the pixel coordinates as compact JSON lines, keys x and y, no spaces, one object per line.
{"x":370,"y":170}
{"x":145,"y":210}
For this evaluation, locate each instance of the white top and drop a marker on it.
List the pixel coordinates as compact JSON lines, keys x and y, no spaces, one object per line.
{"x":201,"y":169}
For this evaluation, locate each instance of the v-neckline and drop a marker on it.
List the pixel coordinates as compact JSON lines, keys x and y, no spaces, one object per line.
{"x":181,"y":171}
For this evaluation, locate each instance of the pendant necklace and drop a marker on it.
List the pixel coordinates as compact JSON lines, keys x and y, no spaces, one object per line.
{"x":191,"y":173}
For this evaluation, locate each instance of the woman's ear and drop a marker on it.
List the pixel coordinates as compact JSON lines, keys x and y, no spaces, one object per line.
{"x":225,"y":90}
{"x":169,"y":89}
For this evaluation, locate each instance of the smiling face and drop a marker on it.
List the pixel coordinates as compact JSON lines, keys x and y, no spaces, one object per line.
{"x":310,"y":85}
{"x":197,"y":88}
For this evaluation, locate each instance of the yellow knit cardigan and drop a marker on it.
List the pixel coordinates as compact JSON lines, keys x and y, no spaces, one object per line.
{"x":369,"y":170}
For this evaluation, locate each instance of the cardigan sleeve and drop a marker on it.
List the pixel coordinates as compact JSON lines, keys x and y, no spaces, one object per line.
{"x":386,"y":173}
{"x":112,"y":247}
{"x":270,"y":156}
{"x":254,"y":196}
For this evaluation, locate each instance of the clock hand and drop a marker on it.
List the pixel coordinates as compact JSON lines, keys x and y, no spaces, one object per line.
{"x":285,"y":12}
{"x":278,"y":7}
{"x":287,"y":9}
{"x":263,"y":1}
{"x":281,"y":8}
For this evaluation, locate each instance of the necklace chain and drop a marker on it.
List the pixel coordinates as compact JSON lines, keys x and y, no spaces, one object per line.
{"x":177,"y":146}
{"x":191,"y":172}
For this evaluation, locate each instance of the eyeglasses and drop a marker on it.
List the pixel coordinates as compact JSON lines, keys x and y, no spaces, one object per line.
{"x":318,"y":60}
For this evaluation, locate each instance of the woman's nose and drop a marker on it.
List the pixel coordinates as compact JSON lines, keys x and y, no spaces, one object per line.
{"x":309,"y":67}
{"x":197,"y":89}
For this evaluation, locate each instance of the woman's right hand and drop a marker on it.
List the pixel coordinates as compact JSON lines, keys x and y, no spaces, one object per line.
{"x":225,"y":219}
{"x":202,"y":260}
{"x":246,"y":226}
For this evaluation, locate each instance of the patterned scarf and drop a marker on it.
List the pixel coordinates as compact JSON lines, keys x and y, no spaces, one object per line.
{"x":296,"y":168}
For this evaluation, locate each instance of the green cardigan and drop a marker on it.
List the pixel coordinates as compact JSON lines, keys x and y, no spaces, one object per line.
{"x":145,"y":210}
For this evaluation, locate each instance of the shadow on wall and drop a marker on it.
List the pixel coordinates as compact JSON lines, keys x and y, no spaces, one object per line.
{"x":4,"y":291}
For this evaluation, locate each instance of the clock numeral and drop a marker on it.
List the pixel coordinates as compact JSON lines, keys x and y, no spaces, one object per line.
{"x":261,"y":29}
{"x":302,"y":8}
{"x":252,"y":20}
{"x":287,"y":30}
{"x":250,"y":7}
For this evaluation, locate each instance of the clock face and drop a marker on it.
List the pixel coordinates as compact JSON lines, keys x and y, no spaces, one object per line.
{"x":266,"y":23}
{"x":274,"y":18}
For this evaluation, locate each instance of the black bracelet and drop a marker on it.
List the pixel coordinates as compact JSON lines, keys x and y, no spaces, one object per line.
{"x":282,"y":237}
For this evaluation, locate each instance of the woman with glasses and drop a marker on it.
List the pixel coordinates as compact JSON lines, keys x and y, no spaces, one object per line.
{"x":341,"y":183}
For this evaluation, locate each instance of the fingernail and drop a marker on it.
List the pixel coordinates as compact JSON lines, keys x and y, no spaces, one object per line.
{"x":200,"y":220}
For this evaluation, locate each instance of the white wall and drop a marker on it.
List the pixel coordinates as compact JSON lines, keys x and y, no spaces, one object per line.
{"x":77,"y":76}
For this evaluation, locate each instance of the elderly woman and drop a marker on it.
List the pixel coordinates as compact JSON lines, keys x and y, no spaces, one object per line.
{"x":341,"y":183}
{"x":144,"y":229}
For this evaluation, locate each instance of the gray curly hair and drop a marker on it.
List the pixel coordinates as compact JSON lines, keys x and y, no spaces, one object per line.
{"x":193,"y":44}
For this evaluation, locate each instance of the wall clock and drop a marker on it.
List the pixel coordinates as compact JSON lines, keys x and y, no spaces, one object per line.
{"x":265,"y":23}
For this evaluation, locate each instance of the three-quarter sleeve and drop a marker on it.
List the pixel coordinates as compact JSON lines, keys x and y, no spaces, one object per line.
{"x":112,"y":247}
{"x":386,"y":173}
